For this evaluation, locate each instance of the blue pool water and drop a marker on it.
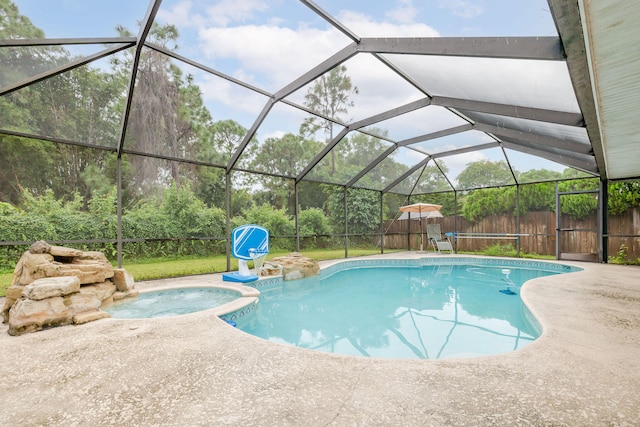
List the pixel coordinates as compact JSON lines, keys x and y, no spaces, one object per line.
{"x":413,"y":311}
{"x":171,"y":302}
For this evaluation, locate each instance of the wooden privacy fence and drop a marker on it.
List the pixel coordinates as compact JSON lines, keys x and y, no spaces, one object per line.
{"x":540,"y":228}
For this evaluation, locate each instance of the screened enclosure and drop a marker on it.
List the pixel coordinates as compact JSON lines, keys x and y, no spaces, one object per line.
{"x":152,"y":128}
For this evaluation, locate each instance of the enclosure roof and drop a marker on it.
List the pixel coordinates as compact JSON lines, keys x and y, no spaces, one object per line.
{"x":435,"y":86}
{"x":610,"y":33}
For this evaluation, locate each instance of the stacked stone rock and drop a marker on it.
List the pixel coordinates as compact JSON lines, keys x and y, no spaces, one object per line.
{"x":293,"y":266}
{"x":57,"y":286}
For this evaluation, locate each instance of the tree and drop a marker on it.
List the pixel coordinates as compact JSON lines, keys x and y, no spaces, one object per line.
{"x":536,"y":175}
{"x":540,"y":196}
{"x":485,"y":173}
{"x":210,"y":185}
{"x":225,"y":137}
{"x":578,"y":206}
{"x":363,"y":210}
{"x":330,"y":96}
{"x":19,"y":158}
{"x":355,"y":152}
{"x":311,"y":195}
{"x":17,"y":64}
{"x":432,"y":179}
{"x":623,"y":195}
{"x":167,"y":116}
{"x":488,"y":201}
{"x":77,"y":105}
{"x":284,"y":156}
{"x":216,"y":145}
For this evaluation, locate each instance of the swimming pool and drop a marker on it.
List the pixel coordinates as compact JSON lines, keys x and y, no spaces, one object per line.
{"x":171,"y":302}
{"x":420,"y":309}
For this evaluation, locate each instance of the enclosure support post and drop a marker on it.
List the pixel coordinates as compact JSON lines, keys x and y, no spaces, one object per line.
{"x":603,"y":222}
{"x":119,"y":207}
{"x":296,"y":211}
{"x":227,"y":195}
{"x":557,"y":221}
{"x":518,"y":219}
{"x":455,"y":221}
{"x":409,"y":227}
{"x":346,"y":226}
{"x":381,"y":224}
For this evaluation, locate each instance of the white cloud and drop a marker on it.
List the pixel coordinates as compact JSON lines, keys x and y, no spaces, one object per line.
{"x":275,"y":135}
{"x":457,"y":164}
{"x":237,"y":38}
{"x":232,"y":97}
{"x":227,"y":11}
{"x":278,"y":54}
{"x":463,"y":8}
{"x":404,"y":13}
{"x":365,"y":26}
{"x":273,"y":55}
{"x":181,"y":15}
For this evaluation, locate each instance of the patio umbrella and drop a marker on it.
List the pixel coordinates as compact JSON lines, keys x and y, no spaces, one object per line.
{"x":417,"y":216}
{"x":419,"y":208}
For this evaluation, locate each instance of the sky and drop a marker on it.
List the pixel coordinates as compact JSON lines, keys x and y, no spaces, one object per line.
{"x":269,"y":43}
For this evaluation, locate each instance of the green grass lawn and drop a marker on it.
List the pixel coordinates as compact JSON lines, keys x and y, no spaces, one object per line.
{"x":165,"y":268}
{"x":5,"y":282}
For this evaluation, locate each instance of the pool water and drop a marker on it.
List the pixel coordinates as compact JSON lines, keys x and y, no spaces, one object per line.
{"x":171,"y":302}
{"x":415,"y":312}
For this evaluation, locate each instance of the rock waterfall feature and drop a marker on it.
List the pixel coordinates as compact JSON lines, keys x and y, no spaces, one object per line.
{"x":57,"y":286}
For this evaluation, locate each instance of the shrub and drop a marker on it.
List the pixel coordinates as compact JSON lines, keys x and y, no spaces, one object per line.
{"x":275,"y":220}
{"x":622,"y":257}
{"x":312,"y":221}
{"x":315,"y":225}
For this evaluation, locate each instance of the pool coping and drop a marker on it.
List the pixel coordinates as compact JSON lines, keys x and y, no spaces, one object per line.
{"x":197,"y":370}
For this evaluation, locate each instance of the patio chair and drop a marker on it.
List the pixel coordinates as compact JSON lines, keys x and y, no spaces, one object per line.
{"x":439,"y":243}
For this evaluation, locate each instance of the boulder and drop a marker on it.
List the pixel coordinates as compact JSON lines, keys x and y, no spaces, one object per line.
{"x":13,"y":294}
{"x":39,"y":247}
{"x":118,"y":295}
{"x":123,"y":279}
{"x":35,"y":266}
{"x":50,"y":287}
{"x":89,"y":316}
{"x":17,"y":272}
{"x":28,"y":315}
{"x":270,"y":269}
{"x":96,"y":261}
{"x":296,"y":266}
{"x":79,"y":302}
{"x":92,"y":256}
{"x":89,"y":272}
{"x":8,"y":303}
{"x":62,"y":251}
{"x":103,"y":291}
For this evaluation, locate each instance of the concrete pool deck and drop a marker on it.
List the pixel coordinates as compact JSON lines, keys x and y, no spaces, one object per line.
{"x":196,"y":370}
